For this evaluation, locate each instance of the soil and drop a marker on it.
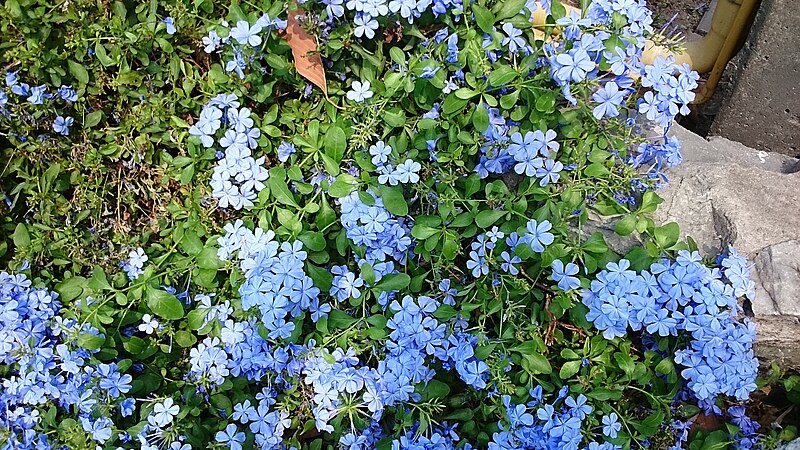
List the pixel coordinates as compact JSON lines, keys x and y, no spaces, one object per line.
{"x":679,"y":16}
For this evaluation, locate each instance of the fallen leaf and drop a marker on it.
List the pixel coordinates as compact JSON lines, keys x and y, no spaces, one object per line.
{"x":304,"y":49}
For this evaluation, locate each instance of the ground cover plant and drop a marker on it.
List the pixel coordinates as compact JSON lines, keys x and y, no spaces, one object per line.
{"x":216,"y":239}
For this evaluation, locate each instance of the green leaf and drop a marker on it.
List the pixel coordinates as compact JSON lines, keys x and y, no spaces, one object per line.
{"x":453,"y":104}
{"x":335,"y":143}
{"x":665,"y":366}
{"x":536,"y":363}
{"x":595,"y":244}
{"x":394,"y":118}
{"x":340,"y":319}
{"x":604,"y":394}
{"x":508,"y":101}
{"x":393,"y":199}
{"x":185,"y":339}
{"x":393,"y":282}
{"x":90,"y":341}
{"x":14,"y":9}
{"x":436,"y":389}
{"x":343,"y":186}
{"x":164,"y":304}
{"x":508,"y":8}
{"x":423,"y":232}
{"x":278,"y":188}
{"x":313,"y":240}
{"x":480,"y":118}
{"x":625,"y":362}
{"x":502,"y":75}
{"x":546,"y":103}
{"x":71,"y":288}
{"x":625,"y":226}
{"x":22,"y":238}
{"x":208,"y":259}
{"x":93,"y":119}
{"x":667,"y":235}
{"x":568,"y":369}
{"x":650,"y":425}
{"x":483,"y":17}
{"x":487,"y":218}
{"x":596,"y":170}
{"x":78,"y":71}
{"x":102,"y":56}
{"x":98,"y":281}
{"x":367,"y":273}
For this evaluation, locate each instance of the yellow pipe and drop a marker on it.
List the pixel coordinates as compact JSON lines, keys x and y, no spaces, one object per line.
{"x":728,"y":50}
{"x":711,"y":53}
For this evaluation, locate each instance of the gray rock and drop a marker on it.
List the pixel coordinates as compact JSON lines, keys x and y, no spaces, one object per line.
{"x":724,"y":195}
{"x":763,"y":108}
{"x":794,"y":445}
{"x":777,"y":277}
{"x":728,"y":194}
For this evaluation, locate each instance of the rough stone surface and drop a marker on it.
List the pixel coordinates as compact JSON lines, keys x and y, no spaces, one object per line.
{"x":763,"y":107}
{"x":794,"y":445}
{"x":723,"y":194}
{"x":727,"y":194}
{"x":777,"y":268}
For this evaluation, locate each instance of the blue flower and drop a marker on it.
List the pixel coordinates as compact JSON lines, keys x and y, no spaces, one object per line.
{"x":163,"y":413}
{"x":611,"y":425}
{"x":37,"y":94}
{"x":380,"y":153}
{"x":334,"y":8}
{"x":359,"y":91}
{"x":231,"y":436}
{"x":609,"y":99}
{"x":549,"y":172}
{"x":513,"y":39}
{"x":237,"y":64}
{"x":407,"y":172}
{"x":538,"y":235}
{"x":68,"y":94}
{"x":100,"y":429}
{"x":61,"y":125}
{"x":211,"y":42}
{"x":365,"y":26}
{"x":573,"y":66}
{"x":285,"y":150}
{"x":509,"y":262}
{"x":563,"y":275}
{"x":477,"y":264}
{"x":243,"y":33}
{"x":170,"y":24}
{"x":429,"y":72}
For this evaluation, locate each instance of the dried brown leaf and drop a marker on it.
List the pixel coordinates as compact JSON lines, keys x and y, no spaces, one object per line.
{"x":307,"y":60}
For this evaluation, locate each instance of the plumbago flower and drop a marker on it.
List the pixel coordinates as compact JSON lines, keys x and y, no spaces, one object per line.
{"x":399,"y":261}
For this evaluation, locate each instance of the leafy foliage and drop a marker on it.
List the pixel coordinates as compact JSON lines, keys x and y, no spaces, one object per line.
{"x":212,"y":252}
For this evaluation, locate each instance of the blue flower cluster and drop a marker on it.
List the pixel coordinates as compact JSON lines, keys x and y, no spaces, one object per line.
{"x":384,"y":235}
{"x":238,"y":177}
{"x":532,"y":153}
{"x":547,"y":426}
{"x":134,"y":265}
{"x":578,"y":57}
{"x":684,"y":297}
{"x":367,"y":10}
{"x":275,"y":280}
{"x":49,"y":370}
{"x":403,"y":173}
{"x":416,"y":340}
{"x":244,"y":40}
{"x":11,"y":101}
